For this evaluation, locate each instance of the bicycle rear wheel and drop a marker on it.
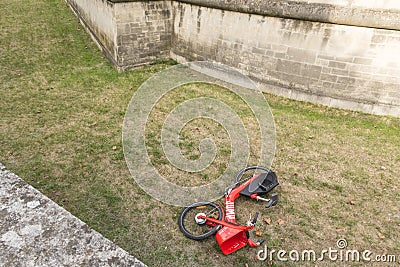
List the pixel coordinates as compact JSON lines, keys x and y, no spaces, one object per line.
{"x":198,"y":229}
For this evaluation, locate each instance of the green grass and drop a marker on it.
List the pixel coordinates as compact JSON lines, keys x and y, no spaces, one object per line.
{"x":62,"y":108}
{"x":197,"y":130}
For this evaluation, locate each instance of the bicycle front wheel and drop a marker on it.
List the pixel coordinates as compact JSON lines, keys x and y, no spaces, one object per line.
{"x":198,"y":229}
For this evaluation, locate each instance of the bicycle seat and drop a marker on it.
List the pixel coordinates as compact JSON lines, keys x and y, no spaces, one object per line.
{"x":261,"y":185}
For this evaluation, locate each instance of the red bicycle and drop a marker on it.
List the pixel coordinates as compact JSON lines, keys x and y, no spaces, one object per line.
{"x":204,"y":219}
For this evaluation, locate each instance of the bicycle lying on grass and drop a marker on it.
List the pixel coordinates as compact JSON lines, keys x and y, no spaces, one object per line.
{"x":204,"y":219}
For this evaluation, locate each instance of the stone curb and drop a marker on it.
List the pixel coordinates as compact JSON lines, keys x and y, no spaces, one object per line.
{"x":35,"y":231}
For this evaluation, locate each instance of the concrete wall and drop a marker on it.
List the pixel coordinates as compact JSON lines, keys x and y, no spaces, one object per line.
{"x":342,"y":53}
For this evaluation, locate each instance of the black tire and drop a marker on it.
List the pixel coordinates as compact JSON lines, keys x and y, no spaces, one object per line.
{"x":190,"y":228}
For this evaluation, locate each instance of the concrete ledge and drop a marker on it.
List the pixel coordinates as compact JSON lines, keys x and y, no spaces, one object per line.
{"x":35,"y":231}
{"x":304,"y":10}
{"x":319,"y":12}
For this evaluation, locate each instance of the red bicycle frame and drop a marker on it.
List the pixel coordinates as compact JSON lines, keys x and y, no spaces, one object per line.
{"x":230,"y":235}
{"x":233,"y":236}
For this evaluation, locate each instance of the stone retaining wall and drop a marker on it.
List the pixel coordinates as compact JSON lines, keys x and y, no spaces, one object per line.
{"x":332,"y":63}
{"x":342,"y":53}
{"x":130,"y":33}
{"x":143,"y":31}
{"x":98,"y":18}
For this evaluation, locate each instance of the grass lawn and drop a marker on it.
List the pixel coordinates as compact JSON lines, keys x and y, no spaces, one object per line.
{"x":61,"y":113}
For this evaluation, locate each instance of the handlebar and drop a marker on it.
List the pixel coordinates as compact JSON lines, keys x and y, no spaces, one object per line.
{"x":273,"y":200}
{"x":242,"y":171}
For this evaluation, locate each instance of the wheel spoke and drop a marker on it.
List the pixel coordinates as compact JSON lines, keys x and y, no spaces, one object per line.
{"x":194,"y":230}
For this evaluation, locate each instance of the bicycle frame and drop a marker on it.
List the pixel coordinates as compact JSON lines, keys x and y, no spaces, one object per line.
{"x":233,"y":236}
{"x":230,"y":235}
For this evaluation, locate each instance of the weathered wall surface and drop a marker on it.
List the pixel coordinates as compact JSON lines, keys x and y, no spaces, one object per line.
{"x":35,"y":231}
{"x":143,"y":31}
{"x":342,"y":53}
{"x":337,"y":65}
{"x":364,"y":13}
{"x":377,"y":4}
{"x":98,"y":18}
{"x":130,"y":33}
